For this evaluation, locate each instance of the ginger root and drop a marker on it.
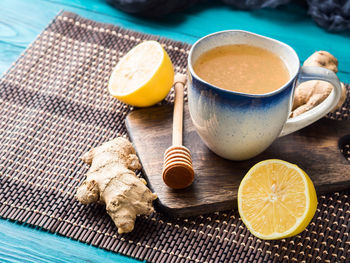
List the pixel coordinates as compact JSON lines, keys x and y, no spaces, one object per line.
{"x":322,"y":59}
{"x":111,"y":180}
{"x":311,"y":93}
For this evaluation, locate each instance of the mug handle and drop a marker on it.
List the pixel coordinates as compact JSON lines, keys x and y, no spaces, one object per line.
{"x":316,"y":113}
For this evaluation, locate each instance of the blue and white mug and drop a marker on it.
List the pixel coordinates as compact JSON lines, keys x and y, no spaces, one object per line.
{"x":239,"y":126}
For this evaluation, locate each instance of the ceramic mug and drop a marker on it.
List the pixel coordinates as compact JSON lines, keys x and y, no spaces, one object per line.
{"x":239,"y":126}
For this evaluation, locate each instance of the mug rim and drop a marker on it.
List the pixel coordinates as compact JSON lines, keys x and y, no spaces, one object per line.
{"x":287,"y":84}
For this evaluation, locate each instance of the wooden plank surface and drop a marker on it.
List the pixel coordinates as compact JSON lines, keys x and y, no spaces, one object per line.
{"x":314,"y":149}
{"x":289,"y":24}
{"x":21,"y":21}
{"x":21,"y":243}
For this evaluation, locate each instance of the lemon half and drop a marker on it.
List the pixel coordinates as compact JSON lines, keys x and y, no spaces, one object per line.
{"x":276,"y":199}
{"x":143,"y":77}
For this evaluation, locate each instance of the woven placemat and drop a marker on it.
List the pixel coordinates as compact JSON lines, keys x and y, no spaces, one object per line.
{"x":54,"y":107}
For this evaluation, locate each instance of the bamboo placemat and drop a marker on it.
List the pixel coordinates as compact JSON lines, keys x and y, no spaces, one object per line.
{"x":54,"y":107}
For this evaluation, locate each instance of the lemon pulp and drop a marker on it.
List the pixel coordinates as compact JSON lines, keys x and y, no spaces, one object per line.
{"x":143,"y":76}
{"x":276,"y":199}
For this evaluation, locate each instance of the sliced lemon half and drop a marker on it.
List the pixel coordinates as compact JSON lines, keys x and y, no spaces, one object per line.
{"x":276,"y":199}
{"x":143,"y":76}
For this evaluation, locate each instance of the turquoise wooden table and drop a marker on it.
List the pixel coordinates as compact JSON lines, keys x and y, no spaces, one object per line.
{"x":22,"y":21}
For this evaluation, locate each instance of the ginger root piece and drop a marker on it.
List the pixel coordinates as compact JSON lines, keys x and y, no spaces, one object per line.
{"x":311,"y":93}
{"x":111,"y":180}
{"x":322,"y":59}
{"x":342,"y":99}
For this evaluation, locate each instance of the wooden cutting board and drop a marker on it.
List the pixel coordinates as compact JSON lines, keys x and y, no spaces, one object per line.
{"x":315,"y":149}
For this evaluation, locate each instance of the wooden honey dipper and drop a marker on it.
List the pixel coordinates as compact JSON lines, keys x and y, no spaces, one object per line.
{"x":178,"y":172}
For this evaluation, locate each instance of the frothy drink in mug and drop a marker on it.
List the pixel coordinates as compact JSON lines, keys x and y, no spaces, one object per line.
{"x":241,"y":88}
{"x":242,"y":68}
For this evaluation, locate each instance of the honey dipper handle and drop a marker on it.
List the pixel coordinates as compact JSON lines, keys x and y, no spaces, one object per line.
{"x":179,"y":83}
